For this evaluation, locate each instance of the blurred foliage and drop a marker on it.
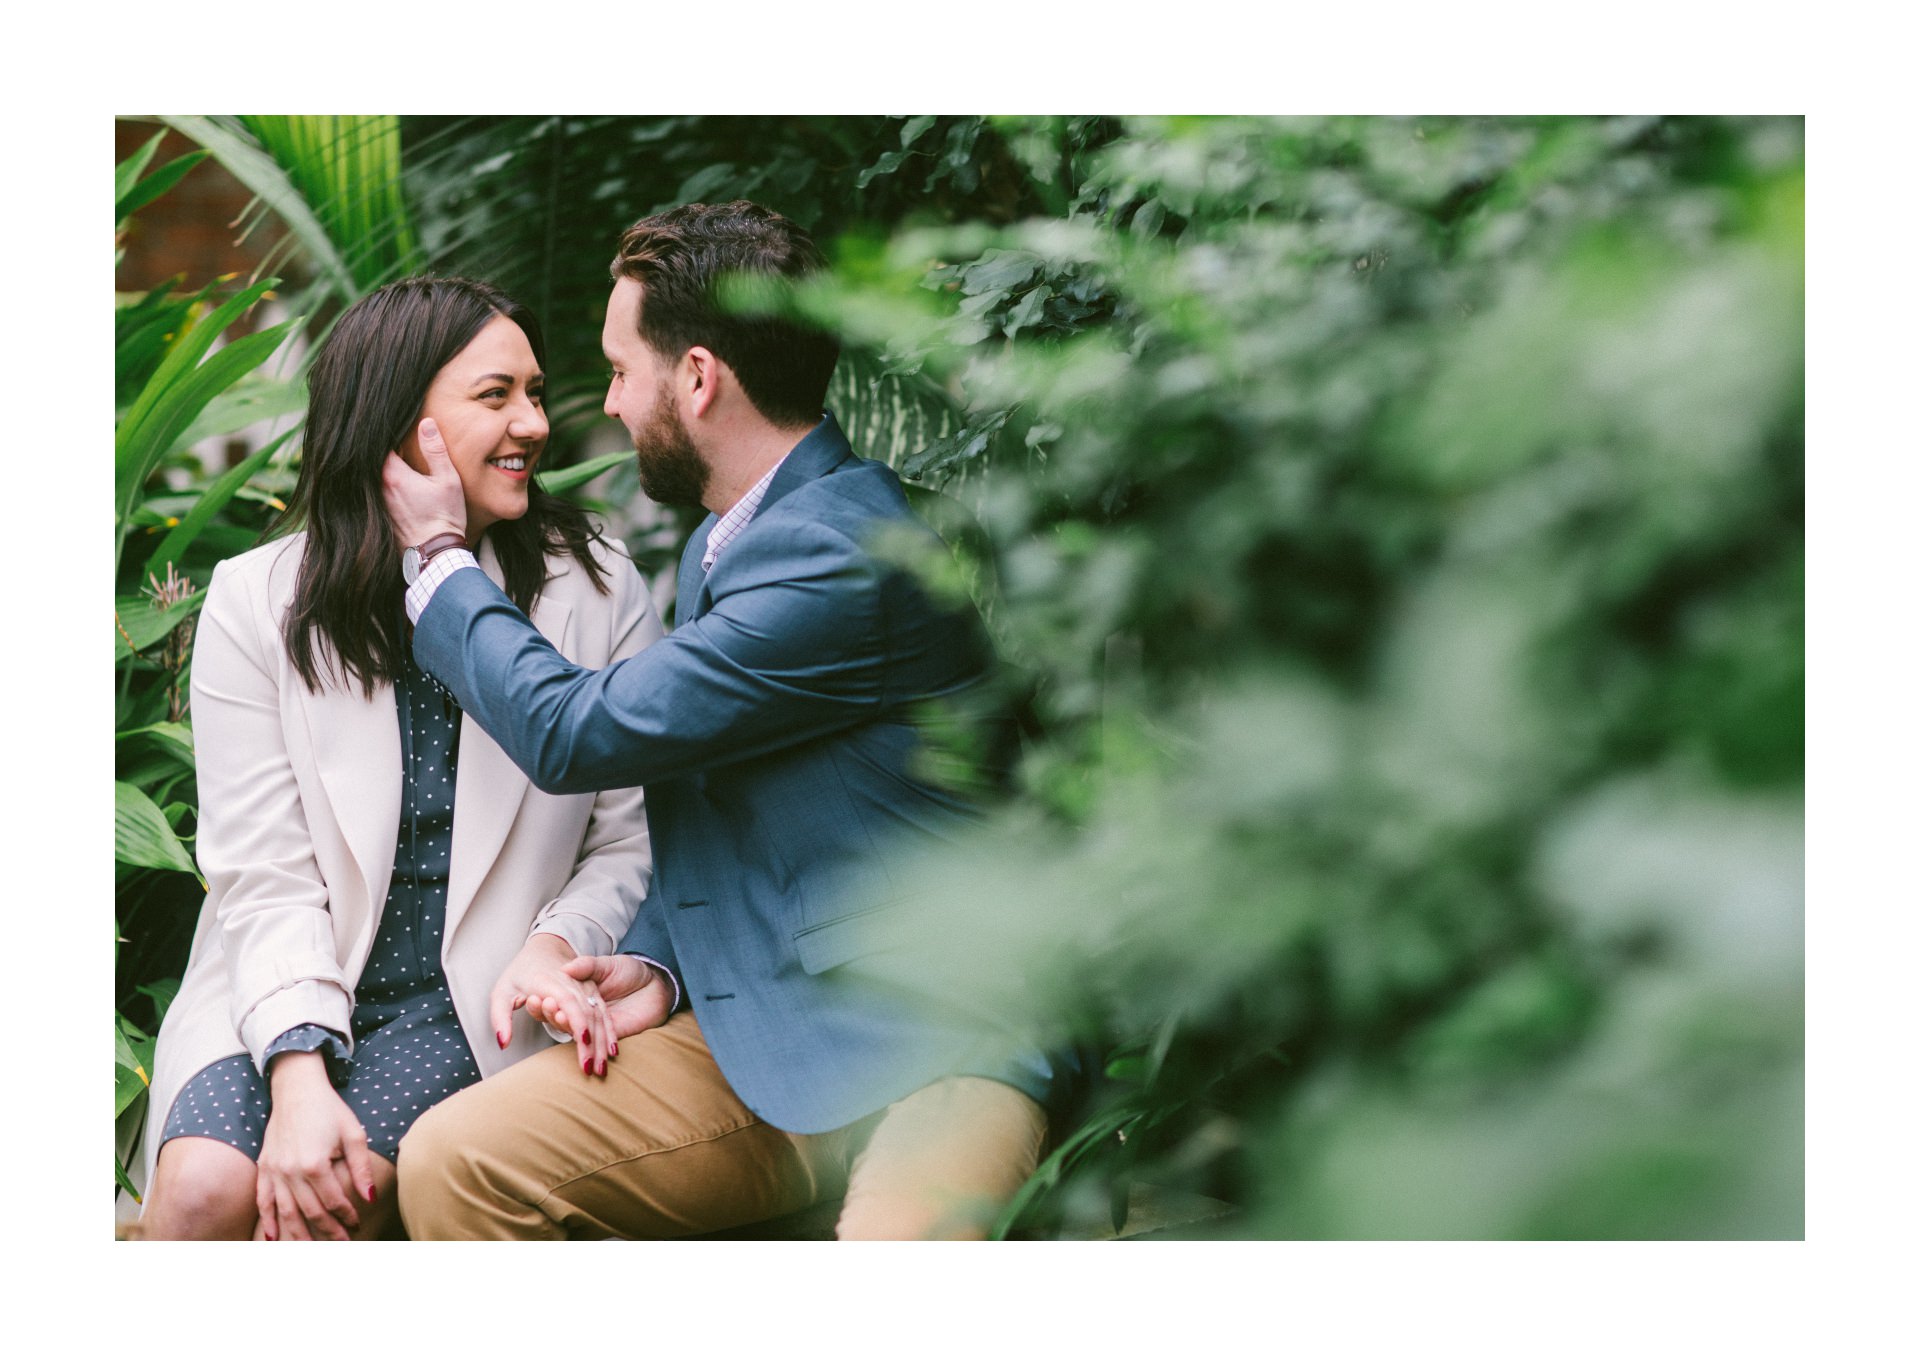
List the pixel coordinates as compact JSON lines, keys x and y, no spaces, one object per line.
{"x":1399,"y":524}
{"x":1394,"y":527}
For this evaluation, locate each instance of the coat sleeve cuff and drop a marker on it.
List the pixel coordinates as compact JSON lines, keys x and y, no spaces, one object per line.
{"x":316,"y":1001}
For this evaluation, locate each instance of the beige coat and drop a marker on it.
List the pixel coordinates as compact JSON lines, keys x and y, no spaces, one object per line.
{"x":300,"y":808}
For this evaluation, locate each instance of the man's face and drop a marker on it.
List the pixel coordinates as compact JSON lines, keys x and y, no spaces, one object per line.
{"x":640,"y":395}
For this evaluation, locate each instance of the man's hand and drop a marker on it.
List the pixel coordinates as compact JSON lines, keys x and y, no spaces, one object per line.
{"x":635,"y":997}
{"x":424,"y":506}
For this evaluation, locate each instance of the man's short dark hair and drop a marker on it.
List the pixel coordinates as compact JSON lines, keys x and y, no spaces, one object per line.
{"x":679,"y":258}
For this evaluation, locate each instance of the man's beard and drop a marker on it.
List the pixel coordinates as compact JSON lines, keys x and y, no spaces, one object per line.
{"x":672,"y":470}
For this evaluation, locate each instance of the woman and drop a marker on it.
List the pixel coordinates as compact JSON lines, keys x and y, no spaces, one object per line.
{"x":384,"y":886}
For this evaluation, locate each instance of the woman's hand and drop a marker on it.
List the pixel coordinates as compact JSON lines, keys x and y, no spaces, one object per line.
{"x":538,"y":979}
{"x":315,"y":1153}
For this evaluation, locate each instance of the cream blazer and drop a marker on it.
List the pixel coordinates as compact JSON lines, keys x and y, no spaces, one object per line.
{"x":300,"y":809}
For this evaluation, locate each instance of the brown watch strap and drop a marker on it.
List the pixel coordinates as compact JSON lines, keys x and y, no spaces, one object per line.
{"x":433,"y":546}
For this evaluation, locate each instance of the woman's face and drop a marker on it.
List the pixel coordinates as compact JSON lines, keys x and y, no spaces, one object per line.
{"x":488,"y":402}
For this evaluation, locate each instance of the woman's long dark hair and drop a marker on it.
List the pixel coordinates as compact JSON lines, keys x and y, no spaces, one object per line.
{"x":365,"y":393}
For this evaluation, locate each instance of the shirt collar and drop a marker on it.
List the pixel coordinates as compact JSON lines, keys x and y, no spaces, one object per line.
{"x":734,"y":521}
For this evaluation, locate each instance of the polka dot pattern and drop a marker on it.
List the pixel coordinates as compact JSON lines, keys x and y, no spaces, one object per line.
{"x":409,"y":1051}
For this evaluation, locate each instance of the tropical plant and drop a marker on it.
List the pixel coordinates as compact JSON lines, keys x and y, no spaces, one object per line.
{"x":168,"y":375}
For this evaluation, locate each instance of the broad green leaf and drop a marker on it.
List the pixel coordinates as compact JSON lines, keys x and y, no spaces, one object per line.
{"x":1029,"y":310}
{"x":252,"y":400}
{"x":248,"y":162}
{"x":141,"y":835}
{"x":999,"y":271}
{"x":128,"y":171}
{"x":139,"y":625}
{"x":156,"y":183}
{"x":346,"y":171}
{"x":702,"y":182}
{"x":187,"y":350}
{"x":572,"y":477}
{"x":161,"y":994}
{"x":175,"y":738}
{"x":125,"y":1182}
{"x":130,"y":1077}
{"x":888,"y":162}
{"x":217,"y":496}
{"x":912,"y":129}
{"x":174,"y":408}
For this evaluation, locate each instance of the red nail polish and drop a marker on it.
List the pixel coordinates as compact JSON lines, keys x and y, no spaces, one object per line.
{"x":369,"y":1194}
{"x":613,"y":1050}
{"x":270,"y":1237}
{"x":586,"y":1037}
{"x":501,"y":1037}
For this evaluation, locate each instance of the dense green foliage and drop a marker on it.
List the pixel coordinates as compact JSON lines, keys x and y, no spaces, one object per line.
{"x":1395,"y":527}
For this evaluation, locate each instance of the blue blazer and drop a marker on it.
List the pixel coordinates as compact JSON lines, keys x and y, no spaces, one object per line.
{"x":774,"y":732}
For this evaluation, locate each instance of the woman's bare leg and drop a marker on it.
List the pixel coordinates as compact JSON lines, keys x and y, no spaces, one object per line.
{"x":201,"y":1189}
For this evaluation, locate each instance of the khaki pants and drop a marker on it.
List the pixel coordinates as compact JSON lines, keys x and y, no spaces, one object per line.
{"x":662,"y":1148}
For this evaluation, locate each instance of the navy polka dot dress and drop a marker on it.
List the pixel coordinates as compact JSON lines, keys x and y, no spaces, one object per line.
{"x":409,"y":1051}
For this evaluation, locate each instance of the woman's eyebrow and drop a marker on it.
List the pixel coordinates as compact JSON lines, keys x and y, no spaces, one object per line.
{"x":507,"y":378}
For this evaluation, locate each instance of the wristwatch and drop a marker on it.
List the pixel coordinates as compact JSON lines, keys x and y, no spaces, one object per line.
{"x":414,"y":559}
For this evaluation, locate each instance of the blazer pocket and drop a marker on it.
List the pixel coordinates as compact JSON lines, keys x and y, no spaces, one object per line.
{"x":885,"y":927}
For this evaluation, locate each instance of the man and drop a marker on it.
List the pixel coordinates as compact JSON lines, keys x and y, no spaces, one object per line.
{"x":757,"y":1067}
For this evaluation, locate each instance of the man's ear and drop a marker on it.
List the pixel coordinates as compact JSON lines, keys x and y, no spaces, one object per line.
{"x":701,"y":375}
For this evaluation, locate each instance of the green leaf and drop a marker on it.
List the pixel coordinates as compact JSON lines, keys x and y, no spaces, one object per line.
{"x":697,"y":186}
{"x":171,"y":736}
{"x":999,"y":271}
{"x":217,"y":496}
{"x":139,"y":625}
{"x":186,"y":351}
{"x":142,"y":837}
{"x":125,"y":1182}
{"x":157,"y":183}
{"x":888,"y":162}
{"x":912,"y":128}
{"x":1031,"y":309}
{"x":127,"y":172}
{"x":130,"y":1077}
{"x":345,"y":173}
{"x":175,"y":395}
{"x":248,"y":162}
{"x":253,"y":400}
{"x":572,"y":477}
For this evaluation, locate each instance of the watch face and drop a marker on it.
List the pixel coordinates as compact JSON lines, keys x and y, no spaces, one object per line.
{"x":410,"y":565}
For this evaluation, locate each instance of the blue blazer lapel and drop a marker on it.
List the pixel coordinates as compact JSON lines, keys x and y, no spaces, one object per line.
{"x":691,"y":585}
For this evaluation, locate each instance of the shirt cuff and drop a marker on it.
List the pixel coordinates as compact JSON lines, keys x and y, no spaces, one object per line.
{"x":669,"y":978}
{"x":308,"y":1037}
{"x":420,"y":592}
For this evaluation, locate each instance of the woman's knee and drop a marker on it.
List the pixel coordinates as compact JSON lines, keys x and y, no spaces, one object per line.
{"x":201,"y":1188}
